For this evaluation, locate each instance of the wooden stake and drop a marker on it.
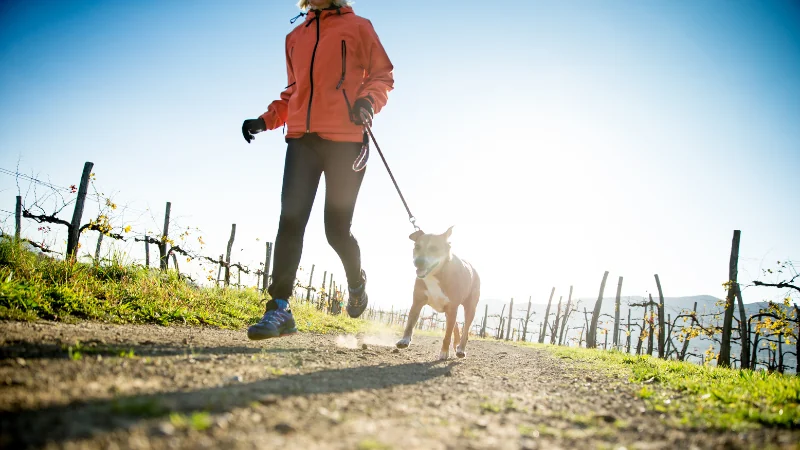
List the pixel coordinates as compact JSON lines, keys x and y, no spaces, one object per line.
{"x":162,"y":246}
{"x":310,"y":282}
{"x":265,"y":281}
{"x":510,"y":312}
{"x":724,"y":359}
{"x":485,"y":318}
{"x":616,"y":313}
{"x":591,"y":337}
{"x":565,"y":319}
{"x":18,"y":219}
{"x":77,"y":214}
{"x":146,"y":251}
{"x":97,"y":250}
{"x":527,"y":318}
{"x":546,"y":317}
{"x":554,"y":335}
{"x":661,"y":335}
{"x":228,"y":256}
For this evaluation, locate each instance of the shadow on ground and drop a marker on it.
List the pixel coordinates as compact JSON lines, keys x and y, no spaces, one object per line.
{"x":31,"y":350}
{"x":82,"y":419}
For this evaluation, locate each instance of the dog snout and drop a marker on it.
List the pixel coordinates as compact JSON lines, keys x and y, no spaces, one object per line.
{"x":419,"y":262}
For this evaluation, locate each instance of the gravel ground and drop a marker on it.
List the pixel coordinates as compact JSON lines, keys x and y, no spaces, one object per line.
{"x":206,"y":388}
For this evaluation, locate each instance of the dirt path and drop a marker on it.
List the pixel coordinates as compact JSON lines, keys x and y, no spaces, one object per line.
{"x":307,"y":391}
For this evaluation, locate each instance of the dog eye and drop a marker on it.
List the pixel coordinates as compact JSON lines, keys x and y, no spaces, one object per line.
{"x":416,"y":247}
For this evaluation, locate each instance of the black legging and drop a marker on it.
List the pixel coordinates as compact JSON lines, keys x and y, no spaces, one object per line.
{"x":307,"y":158}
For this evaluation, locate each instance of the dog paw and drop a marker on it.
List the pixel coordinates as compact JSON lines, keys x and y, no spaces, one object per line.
{"x":403,"y":343}
{"x":461,"y":354}
{"x":444,"y":356}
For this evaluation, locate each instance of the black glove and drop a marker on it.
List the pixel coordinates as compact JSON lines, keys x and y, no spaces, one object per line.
{"x":362,"y":107}
{"x":251,"y":127}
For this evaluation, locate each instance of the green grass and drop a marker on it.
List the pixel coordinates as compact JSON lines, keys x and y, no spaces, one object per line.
{"x":701,"y":396}
{"x":34,"y":287}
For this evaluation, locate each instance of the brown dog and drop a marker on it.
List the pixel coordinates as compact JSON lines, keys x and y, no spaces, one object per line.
{"x":444,"y":281}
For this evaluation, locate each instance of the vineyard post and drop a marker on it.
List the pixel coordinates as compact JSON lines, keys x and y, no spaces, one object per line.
{"x":330,"y":294}
{"x":652,"y":326}
{"x":147,"y":251}
{"x":642,"y":332}
{"x":591,"y":336}
{"x":527,"y":318}
{"x":686,"y":338}
{"x":780,"y":352}
{"x":546,"y":316}
{"x":554,"y":335}
{"x":18,"y":219}
{"x":219,"y":271}
{"x":510,"y":311}
{"x":265,"y":280}
{"x":566,"y":318}
{"x":661,"y":336}
{"x":724,"y":359}
{"x":485,"y":318}
{"x":77,"y":215}
{"x":500,"y":327}
{"x":322,"y":291}
{"x":97,"y":249}
{"x":628,"y":333}
{"x":162,"y":246}
{"x":310,"y":282}
{"x":797,"y":341}
{"x":744,"y":331}
{"x":175,"y":263}
{"x":669,"y":336}
{"x":228,"y":255}
{"x":616,"y":314}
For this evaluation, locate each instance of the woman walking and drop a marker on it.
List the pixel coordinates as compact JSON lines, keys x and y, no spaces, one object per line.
{"x":339,"y":76}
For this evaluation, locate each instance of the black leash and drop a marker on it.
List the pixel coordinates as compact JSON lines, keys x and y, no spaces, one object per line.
{"x":411,"y":217}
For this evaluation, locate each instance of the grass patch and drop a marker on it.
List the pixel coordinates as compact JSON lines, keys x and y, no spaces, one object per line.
{"x":36,"y":287}
{"x":701,"y":396}
{"x":198,"y":421}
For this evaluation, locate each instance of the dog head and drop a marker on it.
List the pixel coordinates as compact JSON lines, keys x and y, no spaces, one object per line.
{"x":431,"y":251}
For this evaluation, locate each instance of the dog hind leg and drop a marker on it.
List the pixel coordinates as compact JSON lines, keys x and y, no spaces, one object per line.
{"x":469,"y":315}
{"x":456,"y":337}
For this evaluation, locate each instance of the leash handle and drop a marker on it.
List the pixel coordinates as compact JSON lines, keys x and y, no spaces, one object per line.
{"x":411,"y":217}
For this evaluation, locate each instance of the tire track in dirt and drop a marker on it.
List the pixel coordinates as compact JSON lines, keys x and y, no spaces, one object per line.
{"x":208,"y":388}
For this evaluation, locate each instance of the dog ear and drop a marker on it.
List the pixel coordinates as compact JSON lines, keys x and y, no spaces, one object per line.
{"x":415,"y":235}
{"x":448,"y":232}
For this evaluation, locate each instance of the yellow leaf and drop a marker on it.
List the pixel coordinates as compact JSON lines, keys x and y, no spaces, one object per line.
{"x":128,"y":229}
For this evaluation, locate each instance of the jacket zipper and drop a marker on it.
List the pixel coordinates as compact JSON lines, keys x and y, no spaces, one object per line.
{"x":311,"y":95}
{"x":341,"y":80}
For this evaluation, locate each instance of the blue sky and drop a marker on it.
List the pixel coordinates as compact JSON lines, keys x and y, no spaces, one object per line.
{"x":561,"y":139}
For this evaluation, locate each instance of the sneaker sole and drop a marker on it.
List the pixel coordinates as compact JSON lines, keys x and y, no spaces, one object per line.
{"x":261,"y":336}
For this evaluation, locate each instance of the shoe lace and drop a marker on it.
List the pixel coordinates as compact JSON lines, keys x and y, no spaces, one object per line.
{"x":274,"y":315}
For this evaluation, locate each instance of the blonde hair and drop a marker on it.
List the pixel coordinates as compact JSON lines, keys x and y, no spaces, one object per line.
{"x":303,"y":4}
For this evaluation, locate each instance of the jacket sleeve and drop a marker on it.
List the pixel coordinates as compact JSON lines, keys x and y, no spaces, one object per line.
{"x":379,"y":80}
{"x":278,"y":110}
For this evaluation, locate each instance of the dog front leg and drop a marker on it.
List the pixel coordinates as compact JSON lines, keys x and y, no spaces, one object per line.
{"x":413,"y":315}
{"x":450,"y":316}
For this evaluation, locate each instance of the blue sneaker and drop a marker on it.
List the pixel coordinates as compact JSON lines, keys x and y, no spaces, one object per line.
{"x":277,"y":321}
{"x":358,"y":300}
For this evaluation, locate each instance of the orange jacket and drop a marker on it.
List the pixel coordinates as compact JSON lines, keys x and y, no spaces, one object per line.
{"x":332,"y":59}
